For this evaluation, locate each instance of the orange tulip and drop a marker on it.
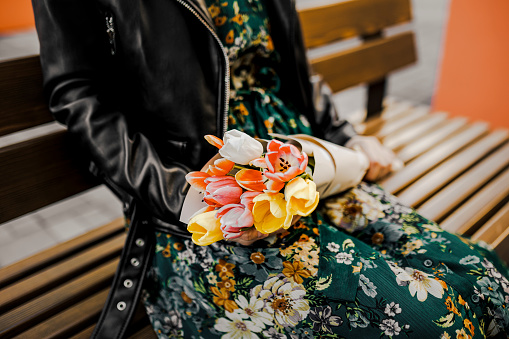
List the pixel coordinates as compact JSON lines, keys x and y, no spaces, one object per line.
{"x":251,"y":180}
{"x":214,"y":141}
{"x":221,"y":167}
{"x":274,"y":186}
{"x":197,"y":180}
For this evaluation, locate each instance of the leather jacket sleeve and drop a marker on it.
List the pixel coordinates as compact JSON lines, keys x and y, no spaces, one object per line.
{"x":74,"y":53}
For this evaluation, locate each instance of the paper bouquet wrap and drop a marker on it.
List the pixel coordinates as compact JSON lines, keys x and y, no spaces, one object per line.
{"x":265,"y":183}
{"x":337,"y":168}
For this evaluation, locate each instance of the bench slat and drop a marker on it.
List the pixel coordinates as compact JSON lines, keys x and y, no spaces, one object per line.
{"x":402,"y":138}
{"x":68,"y":322}
{"x":427,"y":161}
{"x":17,"y":293}
{"x":495,"y":227}
{"x":403,"y":123}
{"x":38,"y":172}
{"x":45,"y":306}
{"x":434,"y":138}
{"x":465,"y":219}
{"x":364,"y":64}
{"x":21,"y":99}
{"x":41,"y":260}
{"x":443,"y":202}
{"x":501,"y":245}
{"x":347,"y":19}
{"x":139,"y":323}
{"x":393,"y":111}
{"x":439,"y":177}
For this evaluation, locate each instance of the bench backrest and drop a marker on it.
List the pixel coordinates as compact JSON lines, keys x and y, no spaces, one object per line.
{"x":373,"y":58}
{"x":36,"y":171}
{"x":42,"y":170}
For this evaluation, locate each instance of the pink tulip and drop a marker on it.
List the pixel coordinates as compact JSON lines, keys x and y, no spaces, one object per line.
{"x":246,"y":199}
{"x":284,"y":161}
{"x":235,"y":217}
{"x":221,"y":191}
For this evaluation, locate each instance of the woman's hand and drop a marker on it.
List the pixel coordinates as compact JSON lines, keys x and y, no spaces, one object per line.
{"x":381,"y":158}
{"x":252,"y":235}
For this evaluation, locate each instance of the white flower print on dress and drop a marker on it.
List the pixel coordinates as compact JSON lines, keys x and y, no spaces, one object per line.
{"x":188,"y":255}
{"x":367,"y":286}
{"x":392,"y":309}
{"x":283,"y":300}
{"x":390,"y":327}
{"x":344,"y":258}
{"x":470,"y":260}
{"x":253,"y":310}
{"x":212,"y":278}
{"x":420,"y":283}
{"x":271,"y":333}
{"x":491,"y":270}
{"x":333,"y":247}
{"x":236,"y":327}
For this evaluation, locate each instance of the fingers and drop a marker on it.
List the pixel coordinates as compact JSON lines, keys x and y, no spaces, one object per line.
{"x":380,"y":157}
{"x":249,"y":237}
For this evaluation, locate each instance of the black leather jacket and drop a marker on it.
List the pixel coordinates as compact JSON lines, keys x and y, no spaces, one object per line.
{"x":139,"y":83}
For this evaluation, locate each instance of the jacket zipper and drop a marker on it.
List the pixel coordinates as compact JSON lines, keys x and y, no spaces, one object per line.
{"x":110,"y":30}
{"x":226,"y":62}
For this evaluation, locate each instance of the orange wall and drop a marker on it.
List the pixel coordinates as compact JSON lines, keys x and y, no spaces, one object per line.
{"x":15,"y":15}
{"x":474,"y":76}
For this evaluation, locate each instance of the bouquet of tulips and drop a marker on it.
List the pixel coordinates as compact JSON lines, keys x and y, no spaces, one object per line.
{"x":249,"y":185}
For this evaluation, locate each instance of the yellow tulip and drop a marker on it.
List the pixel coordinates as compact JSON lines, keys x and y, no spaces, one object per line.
{"x":269,"y":212}
{"x":301,"y":197}
{"x":206,"y":229}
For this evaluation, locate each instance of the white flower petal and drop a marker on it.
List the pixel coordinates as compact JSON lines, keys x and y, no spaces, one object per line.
{"x":422,"y":294}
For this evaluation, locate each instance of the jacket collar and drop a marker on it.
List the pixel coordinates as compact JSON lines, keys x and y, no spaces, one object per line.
{"x":281,"y":8}
{"x":201,"y":7}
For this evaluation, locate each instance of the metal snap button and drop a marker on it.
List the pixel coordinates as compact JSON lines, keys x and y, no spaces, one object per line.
{"x":128,"y":283}
{"x":135,"y":262}
{"x":475,"y":298}
{"x":428,"y":263}
{"x":121,"y":306}
{"x":140,"y":242}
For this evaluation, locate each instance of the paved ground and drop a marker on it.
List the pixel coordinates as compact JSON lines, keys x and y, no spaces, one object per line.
{"x":49,"y":226}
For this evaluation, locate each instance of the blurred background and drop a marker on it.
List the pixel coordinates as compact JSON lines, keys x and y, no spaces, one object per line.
{"x":462,"y":68}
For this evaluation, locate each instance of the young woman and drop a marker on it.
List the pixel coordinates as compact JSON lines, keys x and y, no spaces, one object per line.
{"x":139,"y":83}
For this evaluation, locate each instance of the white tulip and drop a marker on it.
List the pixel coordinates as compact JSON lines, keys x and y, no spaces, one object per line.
{"x":240,"y":147}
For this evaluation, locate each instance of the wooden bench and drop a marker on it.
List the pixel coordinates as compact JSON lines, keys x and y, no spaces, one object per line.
{"x":456,"y":173}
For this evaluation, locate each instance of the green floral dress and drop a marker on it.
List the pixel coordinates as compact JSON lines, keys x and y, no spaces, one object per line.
{"x":366,"y":266}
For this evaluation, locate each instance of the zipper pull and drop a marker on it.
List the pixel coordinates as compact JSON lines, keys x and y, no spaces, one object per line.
{"x":110,"y":30}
